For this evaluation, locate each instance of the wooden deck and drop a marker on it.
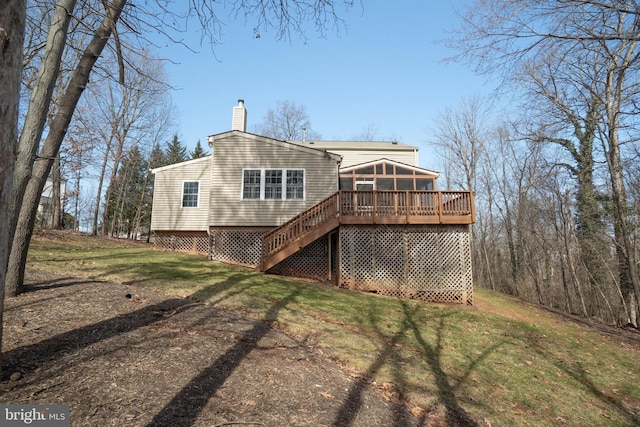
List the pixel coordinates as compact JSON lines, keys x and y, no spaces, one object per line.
{"x":366,"y":207}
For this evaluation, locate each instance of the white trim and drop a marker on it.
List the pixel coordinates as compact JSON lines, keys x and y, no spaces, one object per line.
{"x":365,"y":181}
{"x":182,"y":194}
{"x":394,"y":162}
{"x":181,"y":164}
{"x":283,"y":196}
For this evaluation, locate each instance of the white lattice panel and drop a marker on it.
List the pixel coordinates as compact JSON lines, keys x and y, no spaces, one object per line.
{"x":237,"y":245}
{"x":310,"y":262}
{"x":427,"y":262}
{"x":389,"y":259}
{"x":181,"y":241}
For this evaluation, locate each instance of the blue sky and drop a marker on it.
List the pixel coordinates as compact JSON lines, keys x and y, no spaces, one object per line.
{"x":384,"y":71}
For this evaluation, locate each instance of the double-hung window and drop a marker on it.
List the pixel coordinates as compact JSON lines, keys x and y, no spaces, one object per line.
{"x":273,"y":184}
{"x":251,"y":184}
{"x":190,"y":191}
{"x":295,"y":184}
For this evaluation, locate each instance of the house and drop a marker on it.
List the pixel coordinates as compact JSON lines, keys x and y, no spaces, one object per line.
{"x":359,"y":215}
{"x":46,"y":205}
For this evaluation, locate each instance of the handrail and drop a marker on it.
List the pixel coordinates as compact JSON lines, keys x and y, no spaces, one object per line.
{"x":299,"y":225}
{"x":421,"y":207}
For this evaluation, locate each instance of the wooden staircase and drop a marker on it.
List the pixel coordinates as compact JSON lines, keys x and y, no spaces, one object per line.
{"x":300,"y":231}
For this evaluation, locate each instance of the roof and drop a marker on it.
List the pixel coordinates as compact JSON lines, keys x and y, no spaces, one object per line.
{"x":313,"y":149}
{"x":404,"y":165}
{"x":181,"y":164}
{"x":358,"y":145}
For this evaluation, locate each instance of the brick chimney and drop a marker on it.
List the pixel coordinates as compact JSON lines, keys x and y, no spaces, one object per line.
{"x":239,"y":119}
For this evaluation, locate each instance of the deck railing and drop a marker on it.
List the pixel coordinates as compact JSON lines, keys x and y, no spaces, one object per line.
{"x":407,"y":207}
{"x":372,"y":207}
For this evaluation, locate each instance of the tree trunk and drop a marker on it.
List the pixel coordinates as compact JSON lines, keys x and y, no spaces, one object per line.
{"x":76,"y":210}
{"x":56,"y":204}
{"x":57,"y":131}
{"x":39,"y":105}
{"x":103,"y":171}
{"x":12,"y":19}
{"x":616,"y":79}
{"x":107,"y":199}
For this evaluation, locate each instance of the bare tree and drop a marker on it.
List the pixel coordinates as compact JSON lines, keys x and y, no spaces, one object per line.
{"x":12,"y":18}
{"x":131,"y":108}
{"x":462,"y":133}
{"x":461,"y":136}
{"x":57,"y":131}
{"x":288,"y":122}
{"x":582,"y":57}
{"x":99,"y":25}
{"x":41,"y":96}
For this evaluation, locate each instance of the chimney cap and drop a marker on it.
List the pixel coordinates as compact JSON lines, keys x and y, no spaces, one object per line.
{"x":240,"y":102}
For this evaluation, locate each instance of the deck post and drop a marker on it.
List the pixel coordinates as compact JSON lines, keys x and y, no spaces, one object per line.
{"x":407,"y":205}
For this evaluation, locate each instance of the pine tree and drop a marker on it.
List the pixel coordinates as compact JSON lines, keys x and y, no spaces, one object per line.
{"x":127,"y":188}
{"x":158,"y":158}
{"x":198,"y":151}
{"x":176,"y":152}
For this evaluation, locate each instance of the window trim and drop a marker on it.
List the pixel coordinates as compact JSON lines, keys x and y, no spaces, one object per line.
{"x":283,"y":192}
{"x":190,"y":194}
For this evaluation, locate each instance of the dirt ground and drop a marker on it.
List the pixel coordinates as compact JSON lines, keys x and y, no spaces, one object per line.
{"x":128,"y":356}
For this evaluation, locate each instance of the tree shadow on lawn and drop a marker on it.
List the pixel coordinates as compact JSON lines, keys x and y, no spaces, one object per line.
{"x":56,"y":347}
{"x":455,"y":415}
{"x":190,"y":401}
{"x":576,"y":371}
{"x":176,"y":271}
{"x":60,"y":282}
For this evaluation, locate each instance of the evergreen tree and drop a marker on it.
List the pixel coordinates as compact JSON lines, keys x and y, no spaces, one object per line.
{"x":198,"y":151}
{"x":176,"y":152}
{"x":127,"y":189}
{"x":158,"y":158}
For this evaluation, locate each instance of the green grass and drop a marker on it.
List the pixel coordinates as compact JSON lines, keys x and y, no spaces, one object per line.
{"x":503,"y":360}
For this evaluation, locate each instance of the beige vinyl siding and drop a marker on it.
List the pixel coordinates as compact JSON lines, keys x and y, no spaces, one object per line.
{"x":237,"y":151}
{"x":167,"y":212}
{"x":357,"y":152}
{"x":356,"y":157}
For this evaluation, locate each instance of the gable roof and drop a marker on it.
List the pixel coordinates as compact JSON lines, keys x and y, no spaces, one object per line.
{"x":316,"y":150}
{"x":181,"y":164}
{"x":393,"y":162}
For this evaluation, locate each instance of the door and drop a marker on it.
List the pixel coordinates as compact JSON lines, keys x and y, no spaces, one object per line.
{"x":364,"y":197}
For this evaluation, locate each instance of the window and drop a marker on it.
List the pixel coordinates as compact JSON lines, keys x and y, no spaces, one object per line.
{"x":295,"y":184}
{"x":424,"y":184}
{"x":384,"y":184}
{"x":190,"y":190}
{"x":251,"y":184}
{"x":403,"y":184}
{"x":346,"y":183}
{"x":273,"y":184}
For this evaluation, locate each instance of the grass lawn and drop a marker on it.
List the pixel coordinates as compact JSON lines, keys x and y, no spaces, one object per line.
{"x":503,"y":362}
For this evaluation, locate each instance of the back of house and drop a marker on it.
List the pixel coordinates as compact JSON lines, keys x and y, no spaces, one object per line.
{"x":361,"y":215}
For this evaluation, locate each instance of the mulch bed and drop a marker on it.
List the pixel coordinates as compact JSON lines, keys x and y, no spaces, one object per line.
{"x":128,"y":356}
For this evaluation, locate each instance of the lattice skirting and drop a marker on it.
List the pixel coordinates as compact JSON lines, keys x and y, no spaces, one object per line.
{"x":431,"y":263}
{"x":183,"y":241}
{"x":312,"y":262}
{"x":237,"y":245}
